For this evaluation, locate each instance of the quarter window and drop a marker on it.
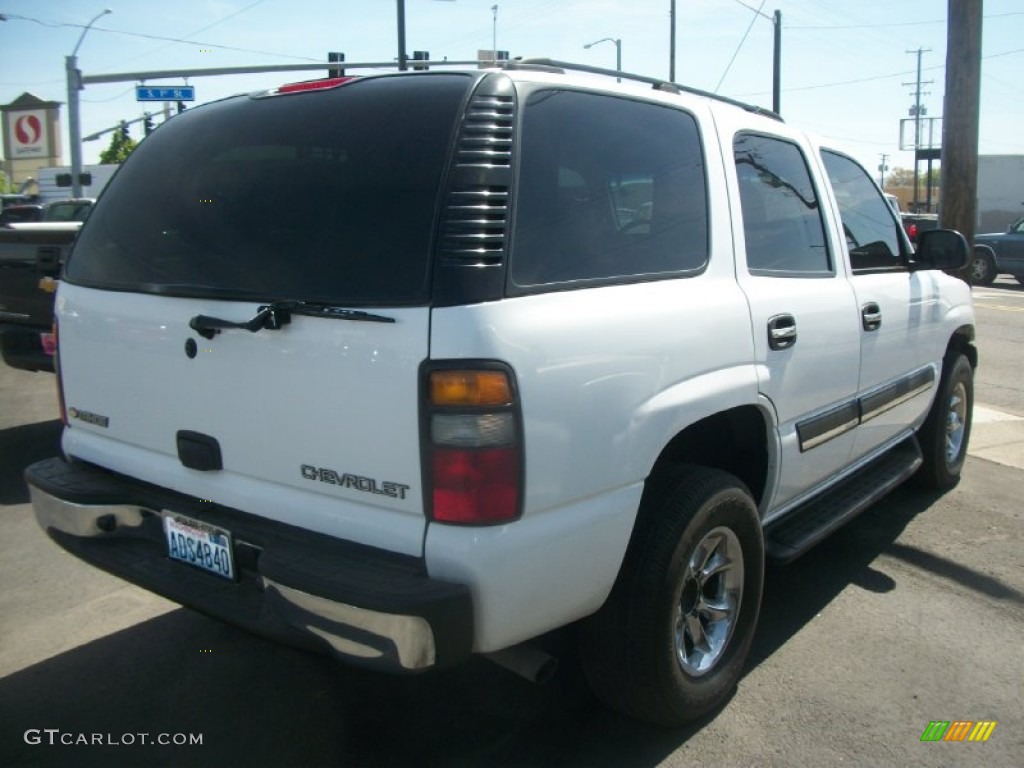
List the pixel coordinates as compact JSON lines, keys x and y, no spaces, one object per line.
{"x":608,"y":188}
{"x":782,"y":222}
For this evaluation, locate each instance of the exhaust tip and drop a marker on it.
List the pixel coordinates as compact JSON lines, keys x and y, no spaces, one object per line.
{"x":526,"y":661}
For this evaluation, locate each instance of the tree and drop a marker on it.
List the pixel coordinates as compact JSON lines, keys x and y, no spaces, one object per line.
{"x":901,"y":177}
{"x":121,"y":145}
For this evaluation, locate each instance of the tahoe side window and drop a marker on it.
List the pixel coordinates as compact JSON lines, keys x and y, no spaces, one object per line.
{"x":608,"y":188}
{"x":871,"y":231}
{"x":782,"y":222}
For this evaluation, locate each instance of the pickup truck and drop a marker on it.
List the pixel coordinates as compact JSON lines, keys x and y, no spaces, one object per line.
{"x":916,"y":223}
{"x":997,"y":253}
{"x":72,"y":209}
{"x":31,"y":256}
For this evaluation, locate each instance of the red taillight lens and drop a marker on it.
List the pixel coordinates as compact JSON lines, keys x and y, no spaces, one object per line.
{"x":314,"y":85}
{"x":56,"y":370}
{"x":475,"y":459}
{"x":912,"y":231}
{"x":476,"y":486}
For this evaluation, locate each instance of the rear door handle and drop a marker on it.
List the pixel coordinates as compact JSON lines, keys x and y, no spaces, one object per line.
{"x":871,"y":316}
{"x":781,"y":331}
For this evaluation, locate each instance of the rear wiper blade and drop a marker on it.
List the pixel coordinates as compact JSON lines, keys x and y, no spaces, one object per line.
{"x":278,"y":314}
{"x":314,"y":309}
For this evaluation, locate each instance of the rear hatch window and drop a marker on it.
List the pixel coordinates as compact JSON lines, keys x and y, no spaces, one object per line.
{"x":324,"y":195}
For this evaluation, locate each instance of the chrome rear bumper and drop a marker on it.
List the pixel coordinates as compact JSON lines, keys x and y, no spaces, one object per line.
{"x":363,"y":605}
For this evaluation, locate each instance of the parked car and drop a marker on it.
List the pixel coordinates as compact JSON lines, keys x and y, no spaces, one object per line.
{"x":415,"y":366}
{"x":18,"y":214}
{"x":31,"y":256}
{"x":916,"y":223}
{"x":999,"y":253}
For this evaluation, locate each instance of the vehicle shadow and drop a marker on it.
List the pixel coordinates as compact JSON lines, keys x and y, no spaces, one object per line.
{"x":19,"y":447}
{"x":262,"y":704}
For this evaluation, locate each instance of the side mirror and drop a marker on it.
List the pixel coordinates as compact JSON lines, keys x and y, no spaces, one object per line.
{"x":944,"y":249}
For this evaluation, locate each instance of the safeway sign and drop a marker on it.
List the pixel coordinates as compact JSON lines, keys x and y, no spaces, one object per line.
{"x":28,"y":133}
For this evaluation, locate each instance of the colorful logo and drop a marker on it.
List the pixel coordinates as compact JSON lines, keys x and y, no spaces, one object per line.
{"x":958,"y":730}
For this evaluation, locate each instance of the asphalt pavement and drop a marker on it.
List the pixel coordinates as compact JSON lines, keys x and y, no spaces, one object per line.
{"x":913,"y":613}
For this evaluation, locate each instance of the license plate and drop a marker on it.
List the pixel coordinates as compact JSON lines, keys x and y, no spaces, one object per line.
{"x":199,"y":544}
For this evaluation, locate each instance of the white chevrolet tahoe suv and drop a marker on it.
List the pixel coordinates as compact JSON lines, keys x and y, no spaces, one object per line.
{"x":413,"y":366}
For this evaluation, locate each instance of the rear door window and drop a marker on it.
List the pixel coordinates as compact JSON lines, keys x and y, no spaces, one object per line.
{"x":782,"y":222}
{"x":609,"y":189}
{"x":319,"y":196}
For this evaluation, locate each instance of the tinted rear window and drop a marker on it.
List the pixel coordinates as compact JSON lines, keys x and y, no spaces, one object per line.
{"x":609,"y":189}
{"x":320,"y":196}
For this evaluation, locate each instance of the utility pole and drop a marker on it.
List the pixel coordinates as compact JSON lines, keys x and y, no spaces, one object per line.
{"x":917,"y":112}
{"x":882,"y":168}
{"x":672,"y":42}
{"x":777,"y":64}
{"x":959,"y":193}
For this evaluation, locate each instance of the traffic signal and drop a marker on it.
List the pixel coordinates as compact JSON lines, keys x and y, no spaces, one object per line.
{"x":181,"y":107}
{"x":336,"y":71}
{"x":420,"y":56}
{"x":147,"y":124}
{"x":124,"y":130}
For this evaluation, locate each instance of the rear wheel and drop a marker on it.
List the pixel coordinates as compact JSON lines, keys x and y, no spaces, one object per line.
{"x":983,"y":267}
{"x":946,"y":431}
{"x":670,"y":642}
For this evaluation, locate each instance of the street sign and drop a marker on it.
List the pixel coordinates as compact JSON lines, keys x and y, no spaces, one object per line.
{"x":165,"y":93}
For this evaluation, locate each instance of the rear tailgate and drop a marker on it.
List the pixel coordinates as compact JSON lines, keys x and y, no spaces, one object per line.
{"x":325,"y":197}
{"x":316,"y":422}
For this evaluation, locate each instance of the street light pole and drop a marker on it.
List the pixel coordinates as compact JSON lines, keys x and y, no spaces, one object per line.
{"x":618,"y":51}
{"x":494,"y":37}
{"x":74,"y":79}
{"x":401,"y":36}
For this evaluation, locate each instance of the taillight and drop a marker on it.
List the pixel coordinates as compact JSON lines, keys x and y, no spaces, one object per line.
{"x":56,"y":370}
{"x":314,"y":85}
{"x":474,"y":449}
{"x":912,"y":231}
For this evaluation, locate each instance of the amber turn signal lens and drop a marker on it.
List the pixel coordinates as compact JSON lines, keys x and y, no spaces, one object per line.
{"x":468,"y":388}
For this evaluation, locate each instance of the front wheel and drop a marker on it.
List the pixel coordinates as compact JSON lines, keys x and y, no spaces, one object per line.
{"x":982,"y":268}
{"x":946,"y":431}
{"x":670,"y":642}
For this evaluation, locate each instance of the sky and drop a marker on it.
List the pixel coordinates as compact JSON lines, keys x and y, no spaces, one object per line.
{"x":848,"y":68}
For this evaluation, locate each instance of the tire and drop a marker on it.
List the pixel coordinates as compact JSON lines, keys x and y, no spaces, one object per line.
{"x":639,"y":651}
{"x":982,"y":268}
{"x":947,"y":430}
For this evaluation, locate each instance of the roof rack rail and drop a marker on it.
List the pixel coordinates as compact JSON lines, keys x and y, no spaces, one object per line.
{"x":552,"y":65}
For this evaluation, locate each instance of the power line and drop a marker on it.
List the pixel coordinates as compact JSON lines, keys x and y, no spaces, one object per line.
{"x":887,"y":25}
{"x":160,"y":37}
{"x":873,"y":78}
{"x":742,"y":41}
{"x":193,"y":32}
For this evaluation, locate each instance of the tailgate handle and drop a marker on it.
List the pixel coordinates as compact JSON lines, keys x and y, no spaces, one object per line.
{"x":271,"y":318}
{"x":198,"y":451}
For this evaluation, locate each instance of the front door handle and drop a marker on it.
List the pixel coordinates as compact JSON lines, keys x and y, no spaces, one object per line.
{"x":781,"y":331}
{"x":871,"y":316}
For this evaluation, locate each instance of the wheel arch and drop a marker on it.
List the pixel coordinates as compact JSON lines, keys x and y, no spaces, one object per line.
{"x":735,"y":441}
{"x":962,"y":342}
